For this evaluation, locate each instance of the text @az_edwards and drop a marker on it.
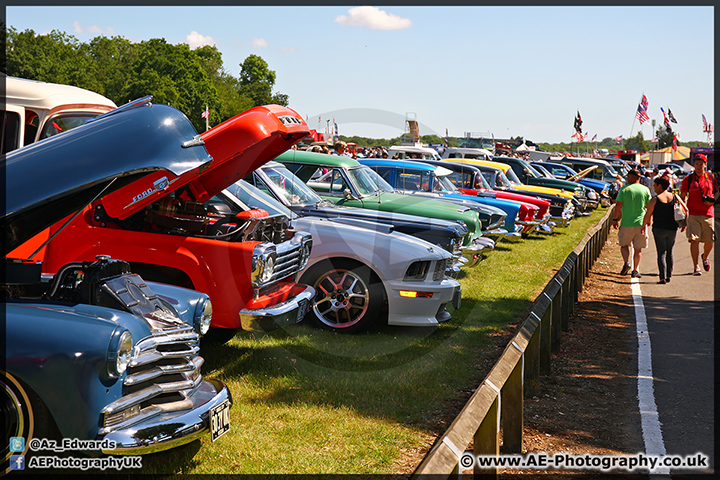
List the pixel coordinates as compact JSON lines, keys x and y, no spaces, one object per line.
{"x":69,"y":444}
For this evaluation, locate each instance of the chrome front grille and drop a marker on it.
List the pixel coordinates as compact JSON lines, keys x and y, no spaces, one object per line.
{"x":287,"y":261}
{"x":164,"y":369}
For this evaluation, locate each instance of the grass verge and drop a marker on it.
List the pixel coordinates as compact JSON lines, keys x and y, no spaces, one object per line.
{"x":310,"y":401}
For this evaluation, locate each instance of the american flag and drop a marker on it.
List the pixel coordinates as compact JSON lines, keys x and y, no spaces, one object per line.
{"x":594,"y":138}
{"x":654,"y":140}
{"x":641,"y":113}
{"x":206,"y":113}
{"x":618,"y":138}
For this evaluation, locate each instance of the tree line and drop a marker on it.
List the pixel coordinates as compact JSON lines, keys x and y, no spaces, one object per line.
{"x":188,"y":79}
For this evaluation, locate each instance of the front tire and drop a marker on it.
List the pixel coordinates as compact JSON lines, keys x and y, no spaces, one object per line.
{"x":24,"y":415}
{"x":348,"y":297}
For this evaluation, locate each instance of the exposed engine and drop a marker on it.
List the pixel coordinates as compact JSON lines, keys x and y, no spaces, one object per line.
{"x":189,"y":218}
{"x":105,"y":282}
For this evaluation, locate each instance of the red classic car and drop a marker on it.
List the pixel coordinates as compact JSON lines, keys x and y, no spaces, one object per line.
{"x":159,"y":223}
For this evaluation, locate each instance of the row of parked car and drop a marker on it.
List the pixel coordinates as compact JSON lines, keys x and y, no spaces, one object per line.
{"x":129,"y":237}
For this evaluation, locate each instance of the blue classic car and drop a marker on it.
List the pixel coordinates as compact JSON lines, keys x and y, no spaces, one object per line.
{"x":426,"y":179}
{"x":92,"y":351}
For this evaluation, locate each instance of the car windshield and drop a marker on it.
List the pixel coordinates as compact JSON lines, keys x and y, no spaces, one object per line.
{"x":612,"y":171}
{"x":510,"y":176}
{"x":443,"y":184}
{"x":63,"y":123}
{"x":481,"y":182}
{"x":366,"y":181}
{"x":381,"y":182}
{"x":543,"y":171}
{"x":256,"y":198}
{"x":290,"y":187}
{"x":535,"y":172}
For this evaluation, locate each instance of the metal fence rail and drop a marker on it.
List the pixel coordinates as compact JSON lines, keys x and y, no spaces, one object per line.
{"x":499,"y":400}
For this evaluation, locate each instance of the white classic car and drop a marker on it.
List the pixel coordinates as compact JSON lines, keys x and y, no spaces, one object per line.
{"x":361,"y":270}
{"x":36,"y":110}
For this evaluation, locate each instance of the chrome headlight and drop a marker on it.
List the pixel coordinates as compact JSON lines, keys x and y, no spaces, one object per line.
{"x":263,"y":263}
{"x":305,"y":242}
{"x":203,"y":316}
{"x":119,"y":353}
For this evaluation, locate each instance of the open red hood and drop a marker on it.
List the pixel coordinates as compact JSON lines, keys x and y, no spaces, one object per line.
{"x":237,"y":147}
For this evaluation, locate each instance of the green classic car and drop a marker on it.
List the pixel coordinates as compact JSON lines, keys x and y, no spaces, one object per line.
{"x":345,"y":181}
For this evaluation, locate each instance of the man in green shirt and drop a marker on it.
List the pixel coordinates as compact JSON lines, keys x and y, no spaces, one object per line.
{"x":629,"y":213}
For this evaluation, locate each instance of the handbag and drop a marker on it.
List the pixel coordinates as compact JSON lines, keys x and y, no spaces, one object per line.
{"x":678,"y":213}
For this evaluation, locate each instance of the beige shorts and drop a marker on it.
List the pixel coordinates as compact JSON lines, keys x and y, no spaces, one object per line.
{"x":700,"y":228}
{"x":631,"y":236}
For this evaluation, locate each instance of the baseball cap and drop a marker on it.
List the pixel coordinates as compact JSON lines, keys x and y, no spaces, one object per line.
{"x":700,"y":156}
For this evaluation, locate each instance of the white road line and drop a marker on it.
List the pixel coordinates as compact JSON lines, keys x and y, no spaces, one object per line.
{"x":652,"y":434}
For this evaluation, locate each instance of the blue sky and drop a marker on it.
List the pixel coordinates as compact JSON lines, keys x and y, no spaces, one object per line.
{"x":512,"y":71}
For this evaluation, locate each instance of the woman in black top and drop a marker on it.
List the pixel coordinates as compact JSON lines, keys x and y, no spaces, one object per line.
{"x":664,"y":227}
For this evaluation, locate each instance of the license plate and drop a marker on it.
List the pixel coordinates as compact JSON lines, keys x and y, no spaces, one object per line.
{"x":219,"y":420}
{"x":302,"y":310}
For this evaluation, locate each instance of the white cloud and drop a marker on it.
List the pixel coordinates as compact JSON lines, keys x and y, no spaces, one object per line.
{"x":195,"y":40}
{"x":288,"y":49}
{"x":373,"y":18}
{"x":78,"y":28}
{"x":259,"y":43}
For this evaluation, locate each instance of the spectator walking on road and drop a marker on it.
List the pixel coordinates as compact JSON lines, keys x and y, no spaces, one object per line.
{"x":628,"y":219}
{"x":648,"y":179}
{"x":700,"y":190}
{"x":661,"y":213}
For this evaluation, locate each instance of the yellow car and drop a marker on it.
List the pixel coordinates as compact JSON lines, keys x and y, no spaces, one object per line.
{"x":510,"y":174}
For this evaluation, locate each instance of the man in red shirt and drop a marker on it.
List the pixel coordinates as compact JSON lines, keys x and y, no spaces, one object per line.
{"x":699,"y":190}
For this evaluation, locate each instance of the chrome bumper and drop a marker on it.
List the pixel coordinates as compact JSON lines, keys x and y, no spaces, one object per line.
{"x":495,"y":234}
{"x":277,"y":316}
{"x":473,"y":253}
{"x":172,"y":429}
{"x":562,"y":221}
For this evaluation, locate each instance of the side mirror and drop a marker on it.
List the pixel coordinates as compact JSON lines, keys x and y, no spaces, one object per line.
{"x":347,"y":194}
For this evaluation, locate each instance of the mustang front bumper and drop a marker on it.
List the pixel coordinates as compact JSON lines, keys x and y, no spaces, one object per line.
{"x":171,"y":429}
{"x":421,"y":311}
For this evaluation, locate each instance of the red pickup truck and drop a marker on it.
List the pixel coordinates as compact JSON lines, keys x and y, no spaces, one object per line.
{"x":159,"y":223}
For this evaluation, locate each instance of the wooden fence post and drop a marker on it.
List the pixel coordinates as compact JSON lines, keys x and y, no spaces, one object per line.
{"x":531,"y":358}
{"x":513,"y":404}
{"x":487,"y":438}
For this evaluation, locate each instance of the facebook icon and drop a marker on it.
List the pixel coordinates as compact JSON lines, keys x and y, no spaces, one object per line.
{"x":17,"y":462}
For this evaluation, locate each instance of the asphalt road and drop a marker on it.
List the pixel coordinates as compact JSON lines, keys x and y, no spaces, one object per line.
{"x":680,"y":318}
